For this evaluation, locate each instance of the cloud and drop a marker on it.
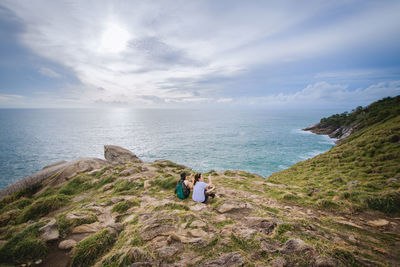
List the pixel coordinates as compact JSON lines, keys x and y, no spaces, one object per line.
{"x":326,"y":95}
{"x":224,"y":100}
{"x":49,"y":73}
{"x":169,"y":49}
{"x":7,"y":97}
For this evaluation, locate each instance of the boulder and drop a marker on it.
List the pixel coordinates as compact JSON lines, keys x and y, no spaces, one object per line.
{"x":49,"y":232}
{"x":278,"y":262}
{"x":156,"y":228}
{"x":324,"y":261}
{"x":197,"y":233}
{"x":294,"y":246}
{"x":263,"y":225}
{"x":118,"y":154}
{"x":230,"y":259}
{"x":268,"y":247}
{"x":378,"y":222}
{"x":67,"y":244}
{"x":87,"y":228}
{"x":235,"y":209}
{"x":166,"y":253}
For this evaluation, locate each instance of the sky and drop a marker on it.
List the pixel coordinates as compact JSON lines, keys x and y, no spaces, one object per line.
{"x":185,"y":54}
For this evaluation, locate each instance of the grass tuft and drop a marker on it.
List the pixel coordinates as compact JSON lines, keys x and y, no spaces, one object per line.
{"x":91,"y":248}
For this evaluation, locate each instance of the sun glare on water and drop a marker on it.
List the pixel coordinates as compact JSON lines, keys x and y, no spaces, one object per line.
{"x":114,"y":39}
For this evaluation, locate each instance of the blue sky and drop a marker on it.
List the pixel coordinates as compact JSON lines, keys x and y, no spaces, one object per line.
{"x":267,"y":54}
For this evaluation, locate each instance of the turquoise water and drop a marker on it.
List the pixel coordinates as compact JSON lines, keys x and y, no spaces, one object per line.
{"x":257,"y":141}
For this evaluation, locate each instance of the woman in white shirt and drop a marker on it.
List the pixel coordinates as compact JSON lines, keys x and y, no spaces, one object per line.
{"x":200,"y":188}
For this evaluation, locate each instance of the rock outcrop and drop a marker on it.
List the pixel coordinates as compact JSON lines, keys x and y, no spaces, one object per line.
{"x":118,"y":154}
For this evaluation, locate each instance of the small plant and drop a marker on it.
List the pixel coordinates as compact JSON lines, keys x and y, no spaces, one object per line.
{"x":169,"y":182}
{"x":75,"y":186}
{"x":91,"y":248}
{"x":105,"y":180}
{"x":125,"y":186}
{"x":25,"y":246}
{"x":229,"y":173}
{"x":42,"y":207}
{"x":388,"y":203}
{"x":171,"y":206}
{"x":123,"y":206}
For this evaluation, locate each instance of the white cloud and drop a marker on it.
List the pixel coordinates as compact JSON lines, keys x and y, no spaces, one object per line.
{"x":325,"y":95}
{"x":224,"y":100}
{"x":7,"y":97}
{"x":167,"y":49}
{"x":49,"y":73}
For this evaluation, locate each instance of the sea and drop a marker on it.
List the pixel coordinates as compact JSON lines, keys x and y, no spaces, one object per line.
{"x":254,"y":140}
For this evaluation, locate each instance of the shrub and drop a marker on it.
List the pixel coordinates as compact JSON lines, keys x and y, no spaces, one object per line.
{"x":123,"y":186}
{"x":25,"y":246}
{"x":65,"y":225}
{"x":91,"y":248}
{"x":77,"y":185}
{"x":168,"y":182}
{"x":172,"y":206}
{"x":124,"y":206}
{"x":42,"y":207}
{"x":106,"y":180}
{"x":327,"y":204}
{"x":389,"y":203}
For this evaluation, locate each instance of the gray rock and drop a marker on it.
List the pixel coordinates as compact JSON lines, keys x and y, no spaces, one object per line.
{"x":294,"y":246}
{"x":156,"y":228}
{"x":118,"y":154}
{"x":278,"y":262}
{"x":235,"y":209}
{"x":117,"y":226}
{"x":352,"y":182}
{"x":49,"y":232}
{"x":138,"y":255}
{"x":115,"y":200}
{"x":263,"y":225}
{"x":67,"y":244}
{"x":230,"y":259}
{"x":167,"y":252}
{"x":390,"y":180}
{"x":268,"y":247}
{"x":324,"y":261}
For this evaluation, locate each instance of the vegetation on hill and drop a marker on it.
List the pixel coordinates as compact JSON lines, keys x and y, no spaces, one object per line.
{"x":379,"y":111}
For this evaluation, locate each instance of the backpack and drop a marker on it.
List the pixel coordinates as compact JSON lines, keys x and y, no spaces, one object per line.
{"x":181,"y":190}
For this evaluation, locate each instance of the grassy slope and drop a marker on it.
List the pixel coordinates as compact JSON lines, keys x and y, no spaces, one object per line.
{"x":370,"y":156}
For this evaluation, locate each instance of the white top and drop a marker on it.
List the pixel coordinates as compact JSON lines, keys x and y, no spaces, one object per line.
{"x":198,"y":191}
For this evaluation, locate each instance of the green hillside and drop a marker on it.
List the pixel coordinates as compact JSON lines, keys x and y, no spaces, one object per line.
{"x":363,"y":172}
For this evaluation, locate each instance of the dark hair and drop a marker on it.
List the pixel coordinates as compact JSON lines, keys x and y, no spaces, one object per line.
{"x":183,"y":175}
{"x":197,"y":177}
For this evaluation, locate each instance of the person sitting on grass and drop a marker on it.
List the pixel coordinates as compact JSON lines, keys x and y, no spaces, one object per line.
{"x":201,"y":190}
{"x":183,"y":187}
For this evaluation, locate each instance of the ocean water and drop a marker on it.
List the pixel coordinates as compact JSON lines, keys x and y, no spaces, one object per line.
{"x":257,"y":141}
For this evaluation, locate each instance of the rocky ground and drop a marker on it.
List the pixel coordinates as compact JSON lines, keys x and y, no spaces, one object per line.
{"x":122,"y":212}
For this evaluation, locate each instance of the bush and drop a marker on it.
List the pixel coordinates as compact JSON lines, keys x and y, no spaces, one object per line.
{"x":43,"y":207}
{"x":327,"y":204}
{"x":124,"y":206}
{"x":25,"y":246}
{"x":389,"y":203}
{"x":168,"y":182}
{"x":75,"y":186}
{"x":64,"y":225}
{"x":106,"y":180}
{"x":91,"y":248}
{"x":123,"y":186}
